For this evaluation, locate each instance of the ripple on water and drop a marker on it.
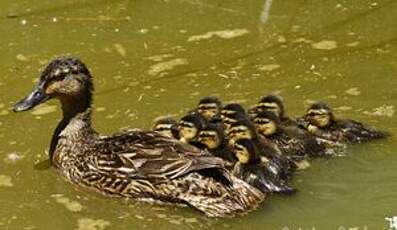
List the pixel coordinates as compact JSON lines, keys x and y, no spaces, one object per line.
{"x":71,"y":205}
{"x":5,"y":181}
{"x":225,"y":34}
{"x":92,"y":224}
{"x":325,"y":45}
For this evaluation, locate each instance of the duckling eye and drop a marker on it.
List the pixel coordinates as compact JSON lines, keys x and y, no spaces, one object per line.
{"x":207,"y":107}
{"x":239,"y":148}
{"x":262,"y":121}
{"x":186,"y":124}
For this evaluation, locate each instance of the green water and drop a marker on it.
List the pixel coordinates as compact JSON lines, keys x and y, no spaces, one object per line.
{"x":151,"y":58}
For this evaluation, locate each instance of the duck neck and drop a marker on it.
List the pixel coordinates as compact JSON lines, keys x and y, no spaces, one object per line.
{"x":76,"y":122}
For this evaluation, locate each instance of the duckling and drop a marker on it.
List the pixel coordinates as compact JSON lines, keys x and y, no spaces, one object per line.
{"x":190,"y":126}
{"x":141,"y":165}
{"x":280,"y":164}
{"x":214,"y":140}
{"x":292,"y":142}
{"x":167,"y":126}
{"x":232,"y":108}
{"x":275,"y":104}
{"x":255,"y":170}
{"x":320,"y":120}
{"x":232,"y":113}
{"x":210,"y":108}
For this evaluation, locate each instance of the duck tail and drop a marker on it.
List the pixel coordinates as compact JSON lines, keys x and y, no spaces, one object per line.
{"x":237,"y":199}
{"x":249,"y":196}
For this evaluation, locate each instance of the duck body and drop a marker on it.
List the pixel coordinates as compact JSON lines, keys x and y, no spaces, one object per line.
{"x":146,"y":166}
{"x":143,"y":165}
{"x":259,"y":176}
{"x":279,"y":163}
{"x":256,"y":170}
{"x":320,"y":121}
{"x":349,"y":131}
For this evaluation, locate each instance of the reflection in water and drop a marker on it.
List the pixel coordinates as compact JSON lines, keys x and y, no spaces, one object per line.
{"x":266,"y":10}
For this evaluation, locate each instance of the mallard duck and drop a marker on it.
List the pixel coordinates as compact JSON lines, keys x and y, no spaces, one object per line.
{"x":254,"y":169}
{"x":166,"y":126}
{"x":280,"y":164}
{"x":190,"y":126}
{"x":210,"y":108}
{"x":214,"y":140}
{"x":292,"y":142}
{"x":275,"y":104}
{"x":320,"y":120}
{"x":141,"y":165}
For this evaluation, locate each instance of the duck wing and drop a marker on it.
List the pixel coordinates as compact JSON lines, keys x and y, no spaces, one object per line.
{"x":153,"y":157}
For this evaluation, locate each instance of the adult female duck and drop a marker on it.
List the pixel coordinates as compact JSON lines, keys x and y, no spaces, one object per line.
{"x":142,"y":165}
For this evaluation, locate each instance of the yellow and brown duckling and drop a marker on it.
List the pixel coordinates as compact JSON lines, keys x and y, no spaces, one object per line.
{"x":292,"y":142}
{"x":213,"y":139}
{"x":231,"y":113}
{"x":142,"y":165}
{"x":275,"y":104}
{"x":190,"y":126}
{"x":210,"y":108}
{"x":320,"y":120}
{"x":279,"y":163}
{"x":166,"y":126}
{"x":255,"y":170}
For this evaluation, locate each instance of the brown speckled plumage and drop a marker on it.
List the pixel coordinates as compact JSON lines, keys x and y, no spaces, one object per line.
{"x":142,"y":165}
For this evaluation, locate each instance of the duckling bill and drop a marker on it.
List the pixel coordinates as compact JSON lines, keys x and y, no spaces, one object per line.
{"x":141,"y":165}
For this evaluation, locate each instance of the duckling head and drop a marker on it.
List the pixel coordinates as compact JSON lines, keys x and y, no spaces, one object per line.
{"x":64,"y":78}
{"x":189,"y":126}
{"x":243,"y":129}
{"x":230,"y":119}
{"x":232,"y":113}
{"x":212,"y":136}
{"x":319,"y":114}
{"x":209,"y":107}
{"x":166,"y":126}
{"x":272,"y":103}
{"x":266,"y":123}
{"x":246,"y":151}
{"x":232,"y":108}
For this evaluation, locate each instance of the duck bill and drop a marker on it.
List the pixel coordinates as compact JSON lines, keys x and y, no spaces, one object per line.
{"x":36,"y":97}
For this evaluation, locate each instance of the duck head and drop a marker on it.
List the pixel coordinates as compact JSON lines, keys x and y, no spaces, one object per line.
{"x":166,"y":126}
{"x":232,"y":108}
{"x":189,"y":127}
{"x":246,"y":151}
{"x":243,"y":129}
{"x":266,"y":123}
{"x":319,"y":114}
{"x":272,"y":103}
{"x":232,"y":113}
{"x":212,"y":136}
{"x":209,"y":107}
{"x":64,"y":78}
